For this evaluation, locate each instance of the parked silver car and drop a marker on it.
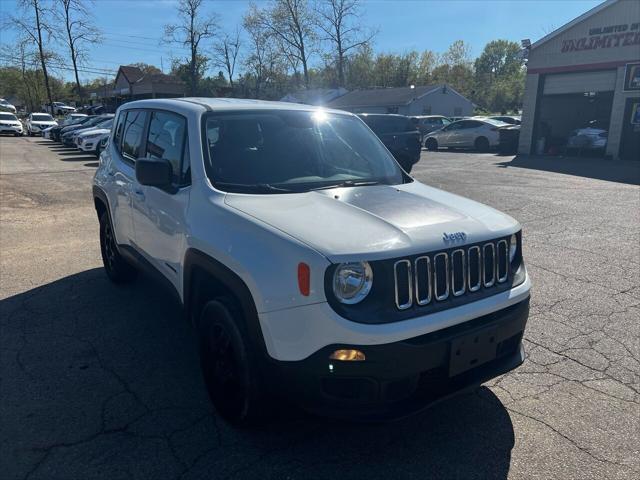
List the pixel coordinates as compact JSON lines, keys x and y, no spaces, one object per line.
{"x":478,"y":133}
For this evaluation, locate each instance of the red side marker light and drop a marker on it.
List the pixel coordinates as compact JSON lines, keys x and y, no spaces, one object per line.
{"x":304,"y":278}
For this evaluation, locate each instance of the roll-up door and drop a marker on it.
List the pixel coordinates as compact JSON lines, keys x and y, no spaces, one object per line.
{"x":562,"y":83}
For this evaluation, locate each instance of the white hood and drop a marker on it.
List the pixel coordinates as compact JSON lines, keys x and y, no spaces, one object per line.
{"x":375,"y":222}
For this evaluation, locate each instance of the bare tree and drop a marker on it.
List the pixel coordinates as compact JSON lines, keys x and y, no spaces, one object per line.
{"x":193,"y":27}
{"x":32,"y":24}
{"x":225,"y":53}
{"x":339,"y":20}
{"x":262,"y":58}
{"x":80,"y":32}
{"x":291,"y":23}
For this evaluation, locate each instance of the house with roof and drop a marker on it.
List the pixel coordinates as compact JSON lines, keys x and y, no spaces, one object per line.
{"x":132,"y":82}
{"x":314,"y":96}
{"x":438,"y":99}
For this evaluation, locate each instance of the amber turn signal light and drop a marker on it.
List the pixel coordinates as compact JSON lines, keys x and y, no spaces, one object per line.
{"x":348,"y":355}
{"x":304,"y":279}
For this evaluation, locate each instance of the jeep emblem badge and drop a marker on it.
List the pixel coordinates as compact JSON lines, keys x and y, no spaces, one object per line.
{"x":454,"y":237}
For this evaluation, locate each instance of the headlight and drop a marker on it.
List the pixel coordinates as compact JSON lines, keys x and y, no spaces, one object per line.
{"x":352,"y":282}
{"x":513,"y":247}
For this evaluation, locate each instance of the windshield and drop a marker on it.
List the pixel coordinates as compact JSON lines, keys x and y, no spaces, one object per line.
{"x":277,"y":151}
{"x":8,"y":117}
{"x":42,"y":118}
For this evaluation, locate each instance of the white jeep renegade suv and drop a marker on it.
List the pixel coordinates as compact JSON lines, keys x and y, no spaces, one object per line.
{"x":314,"y":269}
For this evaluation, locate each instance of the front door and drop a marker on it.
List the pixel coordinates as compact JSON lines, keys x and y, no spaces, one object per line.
{"x":630,"y":142}
{"x":159,"y":215}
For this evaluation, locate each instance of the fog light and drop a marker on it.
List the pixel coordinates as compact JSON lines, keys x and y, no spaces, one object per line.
{"x":348,"y":355}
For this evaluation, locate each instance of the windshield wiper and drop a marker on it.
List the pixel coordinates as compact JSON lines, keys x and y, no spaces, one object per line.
{"x":347,"y":183}
{"x":253,"y":188}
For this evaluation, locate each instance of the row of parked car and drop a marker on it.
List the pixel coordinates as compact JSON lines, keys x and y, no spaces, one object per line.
{"x":88,"y":133}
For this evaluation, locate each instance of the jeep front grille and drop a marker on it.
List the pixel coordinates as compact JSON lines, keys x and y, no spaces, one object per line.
{"x":439,"y":276}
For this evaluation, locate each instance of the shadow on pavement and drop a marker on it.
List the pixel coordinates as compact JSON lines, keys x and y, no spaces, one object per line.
{"x":602,"y":169}
{"x":100,"y":378}
{"x":84,"y":157}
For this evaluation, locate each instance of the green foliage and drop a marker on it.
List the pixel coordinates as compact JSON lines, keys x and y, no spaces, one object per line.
{"x":499,"y":77}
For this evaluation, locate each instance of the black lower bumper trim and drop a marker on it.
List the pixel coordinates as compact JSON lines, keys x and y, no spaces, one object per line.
{"x":401,"y":378}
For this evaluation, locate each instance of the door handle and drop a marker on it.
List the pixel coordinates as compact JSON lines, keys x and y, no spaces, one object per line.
{"x":139,"y":195}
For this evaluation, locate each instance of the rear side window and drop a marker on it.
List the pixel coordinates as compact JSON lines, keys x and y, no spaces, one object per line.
{"x":166,"y":140}
{"x":132,"y":134}
{"x":117,"y":133}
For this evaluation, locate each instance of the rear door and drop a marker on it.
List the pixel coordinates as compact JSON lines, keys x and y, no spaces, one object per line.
{"x":124,"y":149}
{"x":159,"y":215}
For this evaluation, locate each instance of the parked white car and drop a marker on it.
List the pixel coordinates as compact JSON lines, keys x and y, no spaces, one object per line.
{"x":9,"y":123}
{"x":587,"y":139}
{"x":58,"y":108}
{"x":478,"y":133}
{"x":91,"y":140}
{"x":37,"y":122}
{"x":6,"y":106}
{"x":313,"y":268}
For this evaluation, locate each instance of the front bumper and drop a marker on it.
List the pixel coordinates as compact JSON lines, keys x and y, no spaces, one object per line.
{"x":10,"y":129}
{"x":88,"y":146}
{"x":401,"y":378}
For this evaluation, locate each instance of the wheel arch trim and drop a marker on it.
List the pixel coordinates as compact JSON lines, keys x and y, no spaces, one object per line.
{"x":194,"y":260}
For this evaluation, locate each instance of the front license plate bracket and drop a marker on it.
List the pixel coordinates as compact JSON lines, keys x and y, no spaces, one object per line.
{"x":472,"y":350}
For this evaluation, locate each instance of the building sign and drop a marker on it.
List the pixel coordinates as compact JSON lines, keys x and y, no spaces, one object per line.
{"x":605,"y":37}
{"x":632,"y":77}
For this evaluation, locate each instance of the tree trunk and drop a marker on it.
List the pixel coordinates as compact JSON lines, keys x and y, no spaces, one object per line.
{"x":42,"y":62}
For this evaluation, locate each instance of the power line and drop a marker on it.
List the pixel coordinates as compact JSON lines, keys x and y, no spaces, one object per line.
{"x":62,"y":66}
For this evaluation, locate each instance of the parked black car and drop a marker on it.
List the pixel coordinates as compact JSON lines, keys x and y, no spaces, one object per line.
{"x":508,"y":138}
{"x":399,"y":134}
{"x":56,"y":132}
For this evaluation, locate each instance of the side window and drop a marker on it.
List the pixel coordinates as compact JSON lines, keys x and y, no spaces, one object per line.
{"x":117,"y":130}
{"x":132,"y":134}
{"x":166,"y":141}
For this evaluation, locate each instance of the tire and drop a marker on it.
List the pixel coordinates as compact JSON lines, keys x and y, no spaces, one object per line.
{"x":117,"y":268}
{"x":431,"y":144}
{"x":481,"y":144}
{"x":228,"y":366}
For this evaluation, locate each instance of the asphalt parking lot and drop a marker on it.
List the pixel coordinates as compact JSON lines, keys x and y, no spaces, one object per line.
{"x":99,"y":381}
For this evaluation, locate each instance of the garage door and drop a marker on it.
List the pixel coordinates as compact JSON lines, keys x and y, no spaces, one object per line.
{"x":602,"y":81}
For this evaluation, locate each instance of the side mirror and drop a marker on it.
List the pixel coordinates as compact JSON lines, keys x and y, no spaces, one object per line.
{"x":154,"y":173}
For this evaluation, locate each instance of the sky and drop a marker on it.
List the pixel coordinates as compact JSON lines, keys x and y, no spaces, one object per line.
{"x":132,"y":29}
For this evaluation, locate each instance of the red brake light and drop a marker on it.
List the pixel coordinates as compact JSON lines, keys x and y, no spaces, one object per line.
{"x":304,"y":279}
